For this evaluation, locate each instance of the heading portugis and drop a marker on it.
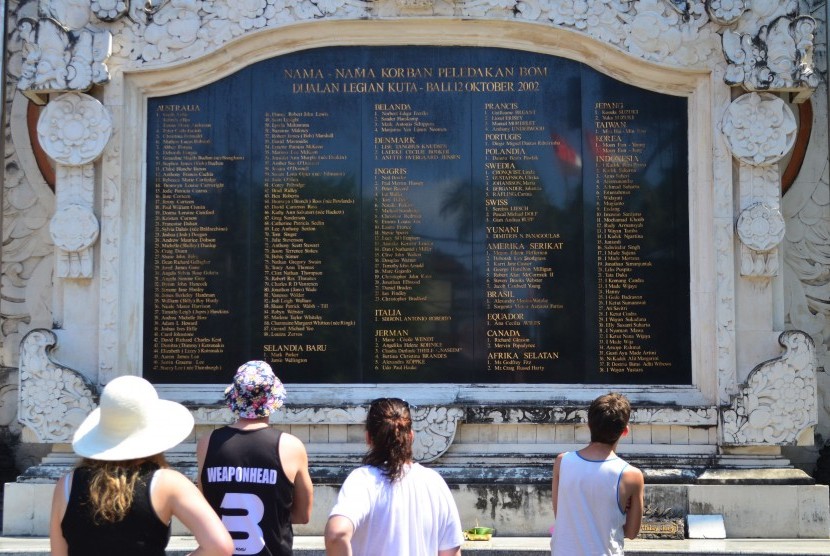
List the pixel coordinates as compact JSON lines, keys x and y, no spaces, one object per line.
{"x":486,"y":79}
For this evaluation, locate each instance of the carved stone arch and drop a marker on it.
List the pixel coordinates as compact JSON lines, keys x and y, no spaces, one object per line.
{"x":243,"y":51}
{"x":25,"y":133}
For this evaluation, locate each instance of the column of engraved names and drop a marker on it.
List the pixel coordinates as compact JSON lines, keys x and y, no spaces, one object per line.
{"x":185,"y":183}
{"x":295,"y":146}
{"x":623,"y":330}
{"x":517,"y":251}
{"x":402,"y":143}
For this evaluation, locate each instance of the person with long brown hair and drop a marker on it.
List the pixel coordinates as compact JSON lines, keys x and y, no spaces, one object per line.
{"x":122,"y":496}
{"x":392,"y":505}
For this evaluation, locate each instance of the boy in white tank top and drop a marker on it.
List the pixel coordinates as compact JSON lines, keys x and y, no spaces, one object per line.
{"x":597,"y":496}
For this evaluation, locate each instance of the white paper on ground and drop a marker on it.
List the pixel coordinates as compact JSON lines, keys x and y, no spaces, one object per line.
{"x":706,"y":526}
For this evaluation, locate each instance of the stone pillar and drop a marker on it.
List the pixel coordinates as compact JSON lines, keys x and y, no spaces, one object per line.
{"x":759,"y":129}
{"x":73,"y":129}
{"x":3,"y":111}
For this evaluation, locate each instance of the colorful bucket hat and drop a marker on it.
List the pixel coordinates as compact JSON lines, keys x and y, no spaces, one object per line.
{"x":255,"y":392}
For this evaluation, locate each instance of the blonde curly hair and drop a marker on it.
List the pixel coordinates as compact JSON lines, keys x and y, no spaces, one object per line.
{"x":112,"y":485}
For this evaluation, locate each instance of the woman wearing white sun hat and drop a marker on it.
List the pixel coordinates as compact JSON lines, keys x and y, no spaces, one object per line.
{"x":122,"y":496}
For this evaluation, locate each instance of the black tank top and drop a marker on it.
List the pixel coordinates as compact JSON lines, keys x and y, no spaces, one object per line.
{"x":140,"y":533}
{"x":243,"y":480}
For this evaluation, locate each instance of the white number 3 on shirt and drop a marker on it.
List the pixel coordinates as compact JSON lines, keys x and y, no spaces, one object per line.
{"x":247,"y":524}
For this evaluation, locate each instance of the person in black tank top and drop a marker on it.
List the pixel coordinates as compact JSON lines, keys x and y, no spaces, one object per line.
{"x":122,"y":497}
{"x":139,"y":533}
{"x":256,"y":477}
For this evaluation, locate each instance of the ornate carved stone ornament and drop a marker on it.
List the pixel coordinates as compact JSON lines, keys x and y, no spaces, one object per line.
{"x":760,"y":227}
{"x":110,"y":10}
{"x":288,"y":415}
{"x":74,"y":129}
{"x":434,"y":426}
{"x":807,"y":264}
{"x":56,"y":59}
{"x":74,"y":230}
{"x":435,"y":429}
{"x":779,"y":57}
{"x":778,"y":402}
{"x":697,"y":416}
{"x":666,"y":31}
{"x":725,"y":12}
{"x":54,"y":399}
{"x":520,"y":415}
{"x":414,"y":5}
{"x":759,"y":128}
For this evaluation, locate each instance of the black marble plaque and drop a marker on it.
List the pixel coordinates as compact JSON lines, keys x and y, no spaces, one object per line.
{"x":418,"y":214}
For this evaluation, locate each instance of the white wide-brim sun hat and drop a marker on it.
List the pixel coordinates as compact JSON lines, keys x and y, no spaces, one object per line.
{"x":131,"y":423}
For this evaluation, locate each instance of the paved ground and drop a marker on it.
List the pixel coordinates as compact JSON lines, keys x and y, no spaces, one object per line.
{"x":517,"y":546}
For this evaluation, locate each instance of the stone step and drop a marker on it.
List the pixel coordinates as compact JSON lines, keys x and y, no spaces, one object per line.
{"x":515,"y":546}
{"x":775,"y":511}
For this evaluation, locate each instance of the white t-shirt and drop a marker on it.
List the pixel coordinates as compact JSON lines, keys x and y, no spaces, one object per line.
{"x":414,"y":516}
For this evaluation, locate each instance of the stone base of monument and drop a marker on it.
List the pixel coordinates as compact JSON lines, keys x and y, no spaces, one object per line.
{"x":516,"y":500}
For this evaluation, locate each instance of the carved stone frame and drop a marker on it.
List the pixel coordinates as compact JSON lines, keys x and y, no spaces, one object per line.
{"x":124,"y":203}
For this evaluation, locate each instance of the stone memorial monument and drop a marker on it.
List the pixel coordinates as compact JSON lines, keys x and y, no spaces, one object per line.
{"x":495,"y":210}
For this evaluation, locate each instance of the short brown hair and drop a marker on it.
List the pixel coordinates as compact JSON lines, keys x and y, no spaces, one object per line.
{"x":607,"y":417}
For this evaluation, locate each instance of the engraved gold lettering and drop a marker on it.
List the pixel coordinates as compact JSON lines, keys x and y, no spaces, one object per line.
{"x":303,"y":73}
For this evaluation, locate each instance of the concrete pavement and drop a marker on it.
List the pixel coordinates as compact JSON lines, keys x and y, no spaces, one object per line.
{"x":517,"y":546}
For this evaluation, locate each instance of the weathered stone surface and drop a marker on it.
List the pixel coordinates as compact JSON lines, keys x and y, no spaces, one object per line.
{"x":755,"y":477}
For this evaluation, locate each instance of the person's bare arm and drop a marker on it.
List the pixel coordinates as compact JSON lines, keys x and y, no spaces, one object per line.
{"x":450,"y":552}
{"x":632,"y":490}
{"x":201,"y":454}
{"x":338,"y":536}
{"x":56,"y":540}
{"x":177,"y":496}
{"x":294,"y":460}
{"x":557,"y":465}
